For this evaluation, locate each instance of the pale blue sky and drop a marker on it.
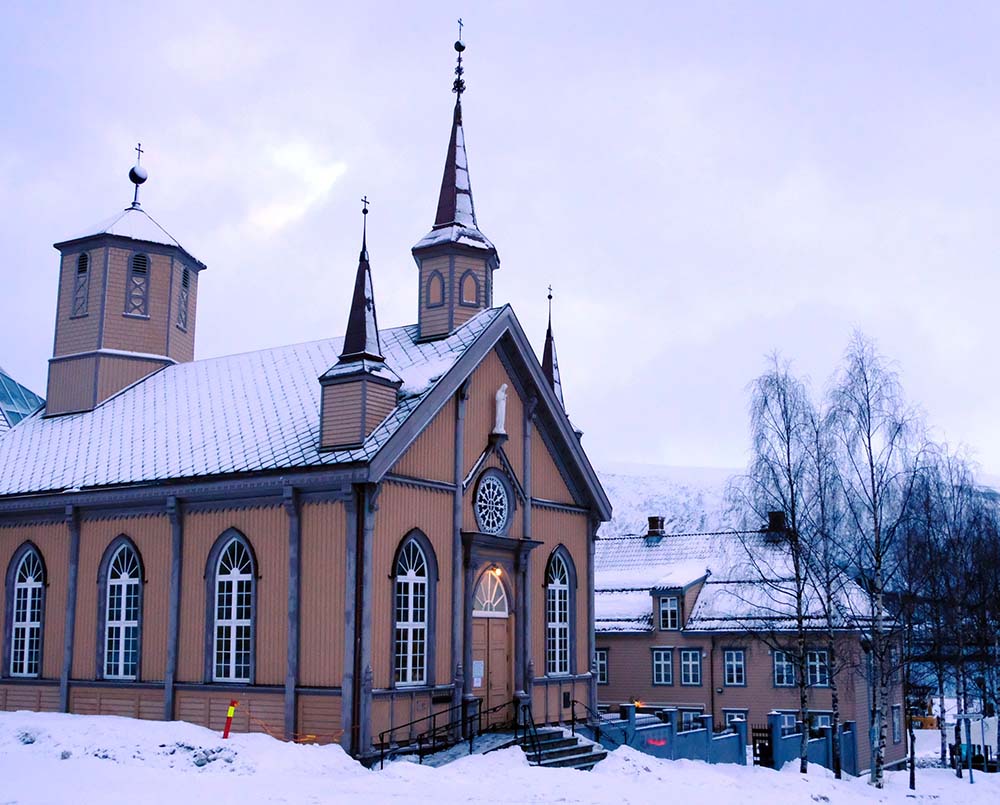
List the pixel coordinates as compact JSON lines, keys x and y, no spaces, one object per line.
{"x":702,"y":183}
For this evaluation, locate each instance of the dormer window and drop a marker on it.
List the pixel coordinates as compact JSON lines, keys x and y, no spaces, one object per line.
{"x":182,"y":300}
{"x":670,"y":613}
{"x":81,"y":286}
{"x":137,"y":289}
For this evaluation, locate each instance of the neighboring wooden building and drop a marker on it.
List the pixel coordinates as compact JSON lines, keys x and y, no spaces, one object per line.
{"x":686,"y":621}
{"x":344,"y":535}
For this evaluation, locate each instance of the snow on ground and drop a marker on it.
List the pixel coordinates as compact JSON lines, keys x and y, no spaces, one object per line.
{"x":55,"y":759}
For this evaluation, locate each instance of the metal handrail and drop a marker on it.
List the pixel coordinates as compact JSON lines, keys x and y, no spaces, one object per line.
{"x":599,"y":718}
{"x":530,"y":732}
{"x":432,"y":718}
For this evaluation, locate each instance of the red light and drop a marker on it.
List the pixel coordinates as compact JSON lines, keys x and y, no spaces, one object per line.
{"x":656,"y":741}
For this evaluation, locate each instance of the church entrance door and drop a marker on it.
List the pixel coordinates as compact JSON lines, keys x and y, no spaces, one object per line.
{"x":492,"y":634}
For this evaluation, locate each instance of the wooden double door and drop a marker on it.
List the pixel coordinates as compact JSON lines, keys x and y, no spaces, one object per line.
{"x":492,"y":649}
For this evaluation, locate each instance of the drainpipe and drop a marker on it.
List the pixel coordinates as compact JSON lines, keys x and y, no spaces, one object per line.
{"x":711,"y":673}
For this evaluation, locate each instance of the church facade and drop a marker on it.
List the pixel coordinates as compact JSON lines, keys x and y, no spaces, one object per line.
{"x":345,"y":536}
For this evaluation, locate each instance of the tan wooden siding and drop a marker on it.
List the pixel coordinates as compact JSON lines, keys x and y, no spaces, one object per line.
{"x":321,"y":653}
{"x":114,"y":374}
{"x":401,"y":707}
{"x":130,"y":703}
{"x":401,"y":509}
{"x":380,"y":401}
{"x":516,"y":524}
{"x":434,"y":320}
{"x":152,"y":537}
{"x":554,"y":528}
{"x":342,"y":414}
{"x":478,"y":267}
{"x":267,"y":531}
{"x":429,"y":456}
{"x":256,"y":711}
{"x":71,"y":385}
{"x":319,"y":719}
{"x":546,"y":481}
{"x":132,"y":333}
{"x":39,"y":698}
{"x":480,"y":415}
{"x":52,"y":542}
{"x":79,"y":334}
{"x":547,"y":699}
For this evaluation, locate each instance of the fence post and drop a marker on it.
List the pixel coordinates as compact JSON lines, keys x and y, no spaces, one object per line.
{"x":774,"y":726}
{"x":827,"y":733}
{"x":627,"y":713}
{"x":706,"y":724}
{"x":740,"y":728}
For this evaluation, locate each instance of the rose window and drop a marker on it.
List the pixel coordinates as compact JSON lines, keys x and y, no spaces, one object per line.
{"x":492,"y":505}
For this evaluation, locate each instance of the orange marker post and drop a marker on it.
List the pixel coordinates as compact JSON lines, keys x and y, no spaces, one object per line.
{"x":229,"y":717}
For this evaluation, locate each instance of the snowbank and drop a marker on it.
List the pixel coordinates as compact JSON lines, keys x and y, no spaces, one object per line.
{"x":50,"y":758}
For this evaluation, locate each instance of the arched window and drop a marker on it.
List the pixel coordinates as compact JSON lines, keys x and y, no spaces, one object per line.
{"x":81,"y":285}
{"x":137,"y":289}
{"x":234,"y":611}
{"x":411,"y":615}
{"x":26,"y":614}
{"x":435,"y":289}
{"x":121,"y":573}
{"x":490,"y":600}
{"x":470,"y":289}
{"x":182,"y":299}
{"x":493,"y":502}
{"x":557,"y":617}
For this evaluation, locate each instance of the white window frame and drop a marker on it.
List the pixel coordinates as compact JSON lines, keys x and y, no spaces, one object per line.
{"x":663,"y":666}
{"x":26,"y":616}
{"x":670,"y":613}
{"x":688,"y":720}
{"x":729,"y":716}
{"x":691,"y":667}
{"x":557,"y":617}
{"x":236,"y":622}
{"x":410,"y":600}
{"x":784,"y":660}
{"x":123,"y":630}
{"x":817,"y":668}
{"x":735,"y":666}
{"x":601,"y":663}
{"x":789,"y":721}
{"x":896,"y":720}
{"x":820,"y":720}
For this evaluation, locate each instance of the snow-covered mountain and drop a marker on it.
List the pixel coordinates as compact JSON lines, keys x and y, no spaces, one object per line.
{"x":689,"y":498}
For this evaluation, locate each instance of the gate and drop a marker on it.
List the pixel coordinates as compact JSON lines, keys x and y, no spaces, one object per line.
{"x":763,"y":752}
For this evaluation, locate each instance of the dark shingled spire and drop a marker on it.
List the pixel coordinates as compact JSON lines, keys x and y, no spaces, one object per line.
{"x":550,"y":363}
{"x":361,"y":341}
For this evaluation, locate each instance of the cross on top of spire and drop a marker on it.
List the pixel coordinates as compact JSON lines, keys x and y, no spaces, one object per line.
{"x":138,"y":174}
{"x":458,"y":87}
{"x":138,"y":150}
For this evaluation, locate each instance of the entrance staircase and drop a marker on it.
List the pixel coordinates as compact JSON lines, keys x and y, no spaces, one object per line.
{"x":556,"y":748}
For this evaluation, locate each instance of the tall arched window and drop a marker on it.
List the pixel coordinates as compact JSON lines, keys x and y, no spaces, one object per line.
{"x":411,"y":603}
{"x":470,"y":289}
{"x":435,"y":289}
{"x":27,"y":611}
{"x":137,"y":288}
{"x":123,"y":605}
{"x":557,"y":614}
{"x":81,"y":285}
{"x":234,"y":599}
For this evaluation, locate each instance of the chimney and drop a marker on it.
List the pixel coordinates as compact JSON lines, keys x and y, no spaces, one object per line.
{"x":776,"y":525}
{"x":655,"y":532}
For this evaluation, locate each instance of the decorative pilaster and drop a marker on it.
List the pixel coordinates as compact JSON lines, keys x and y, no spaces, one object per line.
{"x":352,"y":604}
{"x":291,"y":502}
{"x":591,"y":636}
{"x":173,"y":607}
{"x":73,"y":524}
{"x":457,"y":593}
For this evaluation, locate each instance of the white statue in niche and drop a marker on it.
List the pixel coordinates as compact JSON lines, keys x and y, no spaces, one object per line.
{"x":501,"y":398}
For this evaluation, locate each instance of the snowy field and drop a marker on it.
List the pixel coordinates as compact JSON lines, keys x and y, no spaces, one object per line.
{"x":55,"y":758}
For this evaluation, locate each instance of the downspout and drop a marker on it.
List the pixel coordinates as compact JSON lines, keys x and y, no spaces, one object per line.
{"x":711,"y":674}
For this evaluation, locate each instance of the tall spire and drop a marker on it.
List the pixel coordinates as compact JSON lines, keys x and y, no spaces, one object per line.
{"x":550,"y":363}
{"x":361,"y":341}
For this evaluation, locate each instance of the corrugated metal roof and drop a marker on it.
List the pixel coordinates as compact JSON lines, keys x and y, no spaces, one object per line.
{"x":240,"y":413}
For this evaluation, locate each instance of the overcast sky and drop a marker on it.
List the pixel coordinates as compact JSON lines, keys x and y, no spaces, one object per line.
{"x":701,"y":183}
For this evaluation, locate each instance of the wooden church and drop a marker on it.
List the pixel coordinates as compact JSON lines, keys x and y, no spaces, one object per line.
{"x":345,"y":536}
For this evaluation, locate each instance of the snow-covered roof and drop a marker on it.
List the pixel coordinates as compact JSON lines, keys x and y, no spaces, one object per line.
{"x":623,"y":610}
{"x":133,"y":223}
{"x":240,"y":413}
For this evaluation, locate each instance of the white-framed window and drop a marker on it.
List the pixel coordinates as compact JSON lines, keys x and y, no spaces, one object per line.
{"x":81,"y":286}
{"x":896,"y":714}
{"x":784,"y":670}
{"x":411,"y":615}
{"x":691,"y":666}
{"x":670,"y":613}
{"x":557,"y":617}
{"x":730,"y":716}
{"x":26,"y":620}
{"x":820,"y":720}
{"x":663,"y":666}
{"x":690,"y":720}
{"x":490,"y":600}
{"x":137,"y":288}
{"x":601,"y":660}
{"x":735,"y":665}
{"x":789,"y":722}
{"x":234,"y":581}
{"x":817,"y":668}
{"x":183,"y":297}
{"x":121,"y":636}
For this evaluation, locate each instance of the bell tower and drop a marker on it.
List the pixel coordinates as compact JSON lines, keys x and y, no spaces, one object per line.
{"x":128,"y":293}
{"x":455,"y":259}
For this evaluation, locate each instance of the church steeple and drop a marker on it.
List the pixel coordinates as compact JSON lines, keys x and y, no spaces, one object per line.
{"x":456,"y":260}
{"x":550,"y":363}
{"x":359,"y":390}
